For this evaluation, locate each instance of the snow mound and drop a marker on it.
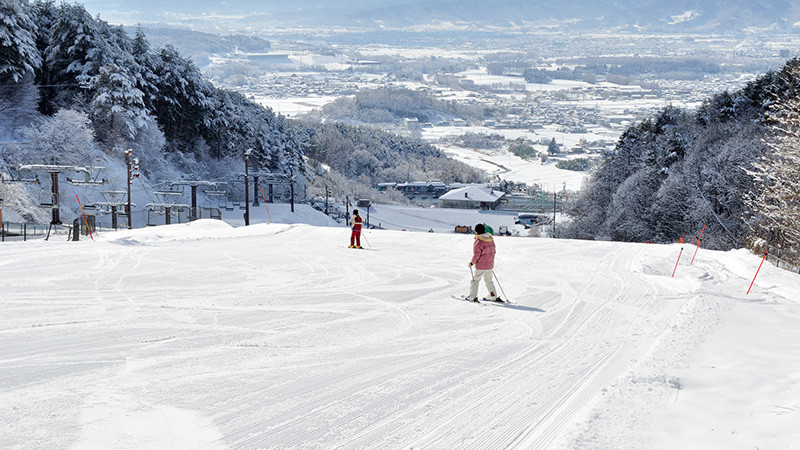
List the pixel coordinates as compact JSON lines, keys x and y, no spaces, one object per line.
{"x":192,"y":231}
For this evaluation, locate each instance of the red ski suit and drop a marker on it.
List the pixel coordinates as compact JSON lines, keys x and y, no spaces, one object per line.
{"x":355,"y":236}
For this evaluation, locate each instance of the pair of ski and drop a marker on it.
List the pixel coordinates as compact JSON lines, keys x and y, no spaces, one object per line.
{"x":483,"y":300}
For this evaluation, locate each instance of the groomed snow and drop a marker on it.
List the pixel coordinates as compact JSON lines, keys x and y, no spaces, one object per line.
{"x":203,"y":335}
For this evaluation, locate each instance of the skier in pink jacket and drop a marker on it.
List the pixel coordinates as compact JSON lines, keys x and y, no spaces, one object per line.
{"x":483,"y":251}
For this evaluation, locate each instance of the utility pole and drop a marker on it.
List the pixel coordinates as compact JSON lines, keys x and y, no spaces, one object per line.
{"x":291,"y":185}
{"x":554,"y":214}
{"x":133,"y":172}
{"x":326,"y":199}
{"x":56,"y":216}
{"x":247,"y":186}
{"x":255,"y":190}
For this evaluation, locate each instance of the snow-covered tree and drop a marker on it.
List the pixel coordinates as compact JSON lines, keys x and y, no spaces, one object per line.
{"x":117,"y":106}
{"x":18,"y":104}
{"x":18,"y":53}
{"x":145,"y":61}
{"x":675,"y":172}
{"x":184,"y":96}
{"x":776,"y":201}
{"x":629,"y":217}
{"x":72,"y":49}
{"x":65,"y":138}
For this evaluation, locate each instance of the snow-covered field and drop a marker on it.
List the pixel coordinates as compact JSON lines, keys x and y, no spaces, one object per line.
{"x":513,"y":168}
{"x":202,"y":335}
{"x":293,"y":106}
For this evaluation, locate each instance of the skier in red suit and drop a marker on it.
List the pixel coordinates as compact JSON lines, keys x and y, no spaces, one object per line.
{"x":355,"y":224}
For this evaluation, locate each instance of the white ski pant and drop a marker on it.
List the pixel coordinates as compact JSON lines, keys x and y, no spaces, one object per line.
{"x":486,"y":275}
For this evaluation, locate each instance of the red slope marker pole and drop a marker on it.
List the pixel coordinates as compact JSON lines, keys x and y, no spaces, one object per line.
{"x":676,"y":263}
{"x":695,"y":252}
{"x":265,"y":204}
{"x":698,"y":244}
{"x":759,"y":269}
{"x":84,"y":217}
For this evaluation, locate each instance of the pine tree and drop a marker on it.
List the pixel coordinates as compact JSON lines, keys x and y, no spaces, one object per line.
{"x":184,"y":96}
{"x":18,"y":54}
{"x":44,"y":15}
{"x":71,"y":55}
{"x":19,"y":61}
{"x":117,"y":106}
{"x":553,"y":148}
{"x":146,"y":79}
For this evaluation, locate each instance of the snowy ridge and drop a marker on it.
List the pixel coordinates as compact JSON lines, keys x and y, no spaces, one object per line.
{"x":278,"y":336}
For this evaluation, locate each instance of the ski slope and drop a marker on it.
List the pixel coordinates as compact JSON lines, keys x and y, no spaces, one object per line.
{"x":202,"y":335}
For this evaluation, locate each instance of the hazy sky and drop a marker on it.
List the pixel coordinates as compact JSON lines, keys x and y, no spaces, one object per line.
{"x":633,"y":15}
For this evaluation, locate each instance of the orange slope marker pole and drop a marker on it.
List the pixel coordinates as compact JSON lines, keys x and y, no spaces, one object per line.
{"x":698,"y":244}
{"x":265,"y":204}
{"x":759,"y":269}
{"x":84,"y":217}
{"x":676,"y":263}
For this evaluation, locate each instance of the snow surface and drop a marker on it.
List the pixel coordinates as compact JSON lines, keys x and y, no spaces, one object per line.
{"x":204,"y":335}
{"x":513,"y":168}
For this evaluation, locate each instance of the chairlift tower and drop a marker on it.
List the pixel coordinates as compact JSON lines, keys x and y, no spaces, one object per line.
{"x":113,"y":201}
{"x":194,"y":184}
{"x":268,"y":178}
{"x":218,"y":194}
{"x":91,"y":177}
{"x":167,"y":202}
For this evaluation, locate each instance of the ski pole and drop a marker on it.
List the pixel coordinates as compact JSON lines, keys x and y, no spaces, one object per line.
{"x":501,"y":286}
{"x":365,"y":238}
{"x":471,"y":272}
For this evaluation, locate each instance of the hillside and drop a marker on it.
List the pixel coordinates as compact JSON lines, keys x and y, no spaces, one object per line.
{"x":78,"y":91}
{"x":203,"y":335}
{"x":680,"y":172}
{"x":685,"y":16}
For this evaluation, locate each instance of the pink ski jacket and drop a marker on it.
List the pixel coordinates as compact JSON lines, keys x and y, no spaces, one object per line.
{"x":483,"y":252}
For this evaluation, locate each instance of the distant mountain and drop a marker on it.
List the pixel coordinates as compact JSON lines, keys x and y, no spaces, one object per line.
{"x":709,"y":16}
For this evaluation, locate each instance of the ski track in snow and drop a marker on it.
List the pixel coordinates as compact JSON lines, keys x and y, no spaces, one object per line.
{"x":287,"y":340}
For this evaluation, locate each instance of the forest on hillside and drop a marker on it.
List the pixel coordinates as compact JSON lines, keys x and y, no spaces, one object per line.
{"x":730,"y":167}
{"x":75,"y":89}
